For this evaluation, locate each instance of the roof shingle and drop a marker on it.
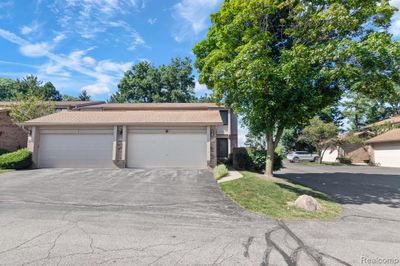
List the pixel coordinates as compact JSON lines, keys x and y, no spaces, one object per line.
{"x":390,"y":121}
{"x":392,"y":135}
{"x":204,"y":118}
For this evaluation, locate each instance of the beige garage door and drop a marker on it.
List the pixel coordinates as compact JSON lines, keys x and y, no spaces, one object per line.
{"x":387,"y":154}
{"x":76,"y":149}
{"x":167,"y":148}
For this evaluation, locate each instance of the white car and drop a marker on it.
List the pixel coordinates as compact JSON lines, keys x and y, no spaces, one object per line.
{"x":297,"y":156}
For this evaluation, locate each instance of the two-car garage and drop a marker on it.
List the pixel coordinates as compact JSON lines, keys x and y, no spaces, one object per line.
{"x":137,"y":139}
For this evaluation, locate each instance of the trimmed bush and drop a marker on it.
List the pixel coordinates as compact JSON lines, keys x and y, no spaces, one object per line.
{"x":20,"y":159}
{"x":3,"y":151}
{"x":254,"y":160}
{"x":220,"y":171}
{"x":345,"y":160}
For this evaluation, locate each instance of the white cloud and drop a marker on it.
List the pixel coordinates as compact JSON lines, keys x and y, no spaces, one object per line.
{"x":201,"y":89}
{"x":395,"y":3}
{"x":395,"y":28}
{"x":59,"y":37}
{"x":35,"y":50}
{"x":32,"y":28}
{"x":193,"y":16}
{"x":137,"y":41}
{"x":89,"y":18}
{"x":152,"y":21}
{"x":89,"y":60}
{"x":96,"y":89}
{"x":105,"y":73}
{"x":109,"y":66}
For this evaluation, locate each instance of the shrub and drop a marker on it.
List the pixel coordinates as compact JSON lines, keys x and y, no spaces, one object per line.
{"x":254,"y":160}
{"x":220,"y":171}
{"x":3,"y":151}
{"x":20,"y":159}
{"x":345,"y":160}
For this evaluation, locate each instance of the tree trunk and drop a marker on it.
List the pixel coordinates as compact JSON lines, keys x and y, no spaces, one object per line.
{"x":269,"y":163}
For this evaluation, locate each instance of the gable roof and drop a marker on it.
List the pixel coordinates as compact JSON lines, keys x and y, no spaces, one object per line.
{"x":201,"y":118}
{"x":154,"y":106}
{"x":392,"y":135}
{"x":391,"y":121}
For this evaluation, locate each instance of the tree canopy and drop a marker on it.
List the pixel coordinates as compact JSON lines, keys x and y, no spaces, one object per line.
{"x":11,"y":90}
{"x":167,"y":83}
{"x":84,"y":96}
{"x":30,"y":107}
{"x":279,"y":63}
{"x":319,"y":134}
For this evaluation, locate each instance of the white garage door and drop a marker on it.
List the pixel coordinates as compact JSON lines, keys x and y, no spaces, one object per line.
{"x":76,"y":149}
{"x":167,"y":148}
{"x":387,"y":154}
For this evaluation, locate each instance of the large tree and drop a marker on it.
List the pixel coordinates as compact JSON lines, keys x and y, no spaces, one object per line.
{"x":11,"y":90}
{"x":279,"y":63}
{"x":8,"y":89}
{"x":167,"y":83}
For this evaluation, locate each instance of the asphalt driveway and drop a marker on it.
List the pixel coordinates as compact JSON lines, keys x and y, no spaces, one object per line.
{"x":365,"y":189}
{"x":167,"y":217}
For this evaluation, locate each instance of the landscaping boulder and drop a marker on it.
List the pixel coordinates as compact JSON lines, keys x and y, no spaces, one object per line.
{"x":307,"y":203}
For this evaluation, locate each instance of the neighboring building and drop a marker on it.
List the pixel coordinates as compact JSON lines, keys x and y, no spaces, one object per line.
{"x":385,"y":149}
{"x":61,"y":105}
{"x":145,"y":136}
{"x":227,"y":134}
{"x":12,"y":136}
{"x":392,"y":121}
{"x":358,"y":152}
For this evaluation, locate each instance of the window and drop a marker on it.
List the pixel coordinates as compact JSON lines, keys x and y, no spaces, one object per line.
{"x":224,"y":116}
{"x":222,"y":148}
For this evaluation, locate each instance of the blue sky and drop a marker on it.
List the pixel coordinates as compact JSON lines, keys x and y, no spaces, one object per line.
{"x":88,"y":44}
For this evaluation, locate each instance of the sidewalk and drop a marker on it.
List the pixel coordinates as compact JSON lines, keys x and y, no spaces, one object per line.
{"x":232,"y":175}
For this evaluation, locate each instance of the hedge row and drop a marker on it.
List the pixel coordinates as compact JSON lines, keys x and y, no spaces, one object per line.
{"x":3,"y":151}
{"x":254,"y":160}
{"x":20,"y":159}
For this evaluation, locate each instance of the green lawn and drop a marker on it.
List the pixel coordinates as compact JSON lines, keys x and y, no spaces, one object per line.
{"x":273,"y":197}
{"x":6,"y":170}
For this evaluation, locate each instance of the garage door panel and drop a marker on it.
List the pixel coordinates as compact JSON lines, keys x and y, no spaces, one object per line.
{"x":152,"y":149}
{"x":76,"y":150}
{"x":387,"y":155}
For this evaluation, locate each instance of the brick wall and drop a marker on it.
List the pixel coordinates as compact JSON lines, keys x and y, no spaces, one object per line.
{"x":12,"y":137}
{"x":120,"y":160}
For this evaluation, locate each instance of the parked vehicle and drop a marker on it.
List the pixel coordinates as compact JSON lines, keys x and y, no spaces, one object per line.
{"x":297,"y":156}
